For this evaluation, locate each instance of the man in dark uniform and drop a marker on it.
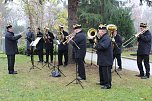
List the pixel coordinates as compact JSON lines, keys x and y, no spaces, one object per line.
{"x":105,"y":57}
{"x":80,"y":40}
{"x":29,"y":39}
{"x":62,"y":48}
{"x":143,"y":52}
{"x":117,"y":43}
{"x":48,"y":38}
{"x":11,"y":48}
{"x":39,"y":46}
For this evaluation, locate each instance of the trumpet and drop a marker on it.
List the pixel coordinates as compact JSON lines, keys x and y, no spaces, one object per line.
{"x":133,"y":38}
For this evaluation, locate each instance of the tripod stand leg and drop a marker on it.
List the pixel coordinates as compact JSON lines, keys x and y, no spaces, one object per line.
{"x":117,"y":73}
{"x":61,"y":72}
{"x":116,"y":69}
{"x":79,"y":82}
{"x":70,"y":82}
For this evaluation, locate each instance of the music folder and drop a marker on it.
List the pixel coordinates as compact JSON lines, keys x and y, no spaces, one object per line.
{"x":35,"y":42}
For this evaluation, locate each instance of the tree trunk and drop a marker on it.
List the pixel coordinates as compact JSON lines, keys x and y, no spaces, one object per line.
{"x":72,"y":19}
{"x":30,"y":15}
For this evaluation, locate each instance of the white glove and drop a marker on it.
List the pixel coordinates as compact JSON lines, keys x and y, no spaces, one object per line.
{"x":113,"y":39}
{"x":22,"y":33}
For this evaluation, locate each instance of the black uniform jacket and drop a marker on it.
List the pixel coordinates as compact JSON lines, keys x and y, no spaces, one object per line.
{"x":80,"y":40}
{"x":40,"y":44}
{"x":104,"y":51}
{"x":11,"y":43}
{"x":117,"y":44}
{"x":49,"y":41}
{"x":144,"y":43}
{"x":61,"y":46}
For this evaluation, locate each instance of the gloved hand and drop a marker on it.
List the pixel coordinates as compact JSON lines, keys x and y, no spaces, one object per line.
{"x":113,"y":39}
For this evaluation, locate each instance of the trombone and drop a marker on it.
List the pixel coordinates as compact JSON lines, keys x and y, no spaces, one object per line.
{"x":133,"y":38}
{"x":70,"y":38}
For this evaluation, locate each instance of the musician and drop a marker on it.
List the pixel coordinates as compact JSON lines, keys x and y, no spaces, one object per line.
{"x":39,"y":46}
{"x":117,"y":43}
{"x":48,"y":38}
{"x":143,"y":51}
{"x":29,"y":39}
{"x":80,"y":40}
{"x":11,"y":48}
{"x":105,"y":57}
{"x":62,"y":48}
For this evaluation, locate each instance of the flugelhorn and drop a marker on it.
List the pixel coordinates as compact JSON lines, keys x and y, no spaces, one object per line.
{"x":133,"y":38}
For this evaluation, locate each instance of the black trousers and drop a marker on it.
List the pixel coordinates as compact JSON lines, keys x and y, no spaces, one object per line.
{"x":105,"y":75}
{"x":28,"y":51}
{"x":118,"y":57}
{"x":144,"y":58}
{"x":81,"y":68}
{"x":11,"y":62}
{"x":49,"y":52}
{"x":40,"y":55}
{"x":62,"y":53}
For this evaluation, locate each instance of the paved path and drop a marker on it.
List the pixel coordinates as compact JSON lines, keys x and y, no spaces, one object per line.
{"x":126,"y":63}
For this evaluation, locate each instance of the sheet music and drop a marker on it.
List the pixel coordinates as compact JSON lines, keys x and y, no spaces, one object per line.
{"x":34,"y":43}
{"x":31,"y":44}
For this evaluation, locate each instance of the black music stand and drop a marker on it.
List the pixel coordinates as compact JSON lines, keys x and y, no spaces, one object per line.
{"x":32,"y":45}
{"x":92,"y":58}
{"x":115,"y":69}
{"x":48,"y":64}
{"x":76,"y":76}
{"x":54,"y":65}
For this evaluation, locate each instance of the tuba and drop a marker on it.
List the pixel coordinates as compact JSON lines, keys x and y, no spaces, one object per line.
{"x":111,"y":28}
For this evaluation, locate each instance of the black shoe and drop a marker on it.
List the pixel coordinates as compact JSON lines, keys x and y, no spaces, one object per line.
{"x":144,"y":77}
{"x":139,"y":75}
{"x":98,"y":83}
{"x":79,"y":78}
{"x":46,"y":62}
{"x":119,"y":69}
{"x":12,"y":72}
{"x":105,"y":87}
{"x":65,"y":65}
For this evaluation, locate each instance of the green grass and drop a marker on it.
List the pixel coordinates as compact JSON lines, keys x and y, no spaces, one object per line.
{"x":38,"y":85}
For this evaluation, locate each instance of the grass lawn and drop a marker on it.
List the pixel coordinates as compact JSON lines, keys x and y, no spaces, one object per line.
{"x":38,"y":85}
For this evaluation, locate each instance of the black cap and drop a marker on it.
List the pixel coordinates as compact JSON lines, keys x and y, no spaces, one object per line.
{"x":28,"y":27}
{"x":143,"y":24}
{"x":8,"y":26}
{"x":76,"y":26}
{"x":61,"y":26}
{"x":102,"y":26}
{"x":38,"y":28}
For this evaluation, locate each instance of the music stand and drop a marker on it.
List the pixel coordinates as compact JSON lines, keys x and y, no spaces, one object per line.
{"x":76,"y":76}
{"x":48,"y":65}
{"x":54,"y":65}
{"x":115,"y":69}
{"x":92,"y":58}
{"x":32,"y":45}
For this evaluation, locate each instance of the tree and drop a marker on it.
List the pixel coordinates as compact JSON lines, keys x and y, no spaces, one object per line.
{"x":72,"y":19}
{"x":106,"y":12}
